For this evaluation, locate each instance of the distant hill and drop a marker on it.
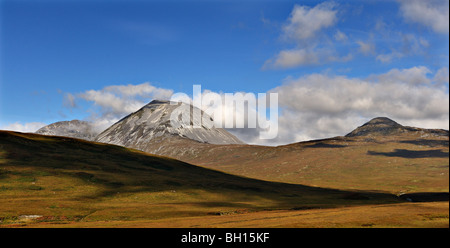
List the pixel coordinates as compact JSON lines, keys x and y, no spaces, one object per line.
{"x":75,"y":129}
{"x":383,"y":126}
{"x":151,"y":125}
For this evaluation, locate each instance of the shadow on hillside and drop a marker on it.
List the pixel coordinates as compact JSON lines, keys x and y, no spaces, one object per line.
{"x":403,"y":153}
{"x":426,"y":196}
{"x":325,"y":145}
{"x":429,"y":143}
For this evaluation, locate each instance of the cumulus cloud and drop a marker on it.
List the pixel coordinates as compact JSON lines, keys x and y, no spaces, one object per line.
{"x":29,"y":127}
{"x":305,"y":22}
{"x":389,"y":57}
{"x":69,"y":100}
{"x":340,"y":36}
{"x":314,"y":39}
{"x":431,"y":13}
{"x":111,"y":103}
{"x":118,"y":100}
{"x":366,"y":48}
{"x":292,"y":58}
{"x":304,"y":28}
{"x":442,"y":76}
{"x":143,"y":90}
{"x":417,"y":75}
{"x":408,"y":45}
{"x":304,"y":57}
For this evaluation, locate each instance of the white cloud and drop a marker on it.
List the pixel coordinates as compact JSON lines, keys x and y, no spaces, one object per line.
{"x":292,"y":58}
{"x":388,"y":57}
{"x":119,"y":100}
{"x":29,"y":127}
{"x":424,"y":42}
{"x":412,"y":44}
{"x":315,"y":38}
{"x":380,"y":25}
{"x":430,"y":13}
{"x":415,"y":76}
{"x":305,"y":22}
{"x":143,"y":90}
{"x":111,"y":103}
{"x":69,"y":100}
{"x":366,"y":48}
{"x":395,"y":45}
{"x":442,"y":76}
{"x":304,"y":57}
{"x":340,"y":36}
{"x":305,"y":28}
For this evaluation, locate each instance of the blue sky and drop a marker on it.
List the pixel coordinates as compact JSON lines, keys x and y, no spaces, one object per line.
{"x":53,"y":53}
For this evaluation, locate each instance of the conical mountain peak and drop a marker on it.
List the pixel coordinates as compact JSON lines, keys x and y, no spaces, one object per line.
{"x":382,"y":121}
{"x":154,"y":121}
{"x":378,"y":127}
{"x":156,"y":102}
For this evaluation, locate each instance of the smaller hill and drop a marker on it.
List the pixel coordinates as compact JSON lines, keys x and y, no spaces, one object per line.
{"x":74,"y":129}
{"x":383,"y":126}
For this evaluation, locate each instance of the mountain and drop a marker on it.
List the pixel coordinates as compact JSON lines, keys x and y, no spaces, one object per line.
{"x":75,"y":129}
{"x":150,"y":126}
{"x":383,"y":126}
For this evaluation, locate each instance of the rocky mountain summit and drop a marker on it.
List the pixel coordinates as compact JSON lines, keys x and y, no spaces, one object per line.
{"x":383,"y":126}
{"x":152,"y":123}
{"x":74,"y":128}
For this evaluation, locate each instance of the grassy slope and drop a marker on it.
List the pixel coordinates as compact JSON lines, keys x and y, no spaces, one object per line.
{"x":390,"y":164}
{"x":70,"y":180}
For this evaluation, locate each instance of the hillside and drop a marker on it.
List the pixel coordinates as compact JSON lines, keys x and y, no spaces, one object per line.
{"x":56,"y":179}
{"x":381,"y":155}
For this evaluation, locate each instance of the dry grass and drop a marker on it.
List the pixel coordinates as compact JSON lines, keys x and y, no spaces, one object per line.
{"x":404,"y":215}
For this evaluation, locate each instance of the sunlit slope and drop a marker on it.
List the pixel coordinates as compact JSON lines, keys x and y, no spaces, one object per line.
{"x":65,"y":179}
